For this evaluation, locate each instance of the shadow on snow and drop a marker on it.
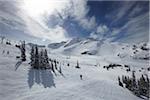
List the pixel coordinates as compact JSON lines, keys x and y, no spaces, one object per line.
{"x":41,"y":77}
{"x":17,"y":65}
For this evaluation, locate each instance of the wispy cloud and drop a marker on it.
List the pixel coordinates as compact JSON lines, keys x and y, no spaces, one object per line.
{"x":16,"y":21}
{"x":52,"y":20}
{"x":136,"y":29}
{"x":50,"y":23}
{"x":130,"y":22}
{"x":78,"y":10}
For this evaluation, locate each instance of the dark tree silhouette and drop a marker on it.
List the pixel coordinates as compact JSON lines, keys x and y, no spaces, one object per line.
{"x":23,"y":51}
{"x":32,"y":56}
{"x":36,"y":63}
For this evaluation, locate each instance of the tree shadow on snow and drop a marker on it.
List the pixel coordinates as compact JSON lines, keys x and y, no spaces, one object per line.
{"x":17,"y":65}
{"x":41,"y":77}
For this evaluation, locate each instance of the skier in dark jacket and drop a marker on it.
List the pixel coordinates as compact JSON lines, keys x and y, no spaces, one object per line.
{"x":81,"y":77}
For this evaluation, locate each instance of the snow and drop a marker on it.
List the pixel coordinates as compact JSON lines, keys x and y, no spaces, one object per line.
{"x":19,"y":82}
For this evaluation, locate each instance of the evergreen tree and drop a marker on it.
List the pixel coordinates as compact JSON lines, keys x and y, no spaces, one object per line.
{"x":120,"y":83}
{"x":142,"y":86}
{"x":36,"y":64}
{"x":139,"y":87}
{"x":46,"y":59}
{"x":60,"y":71}
{"x":23,"y":50}
{"x":41,"y":60}
{"x":52,"y":67}
{"x":147,"y":87}
{"x":128,"y":85}
{"x":55,"y":63}
{"x":123,"y":79}
{"x":77,"y":65}
{"x":32,"y":56}
{"x":134,"y":85}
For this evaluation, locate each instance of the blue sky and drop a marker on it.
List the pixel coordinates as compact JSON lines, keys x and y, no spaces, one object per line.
{"x":122,"y":21}
{"x":117,"y":17}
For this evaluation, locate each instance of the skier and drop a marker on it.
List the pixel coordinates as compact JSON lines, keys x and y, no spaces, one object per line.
{"x":81,"y":77}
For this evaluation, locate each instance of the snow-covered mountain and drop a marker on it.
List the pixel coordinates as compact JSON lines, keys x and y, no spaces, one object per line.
{"x":19,"y":82}
{"x":90,"y":46}
{"x":89,"y":67}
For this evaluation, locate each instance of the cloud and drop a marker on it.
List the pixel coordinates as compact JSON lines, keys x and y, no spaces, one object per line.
{"x":48,"y":22}
{"x":115,"y":32}
{"x":10,"y":23}
{"x":40,"y":30}
{"x":102,"y":29}
{"x":125,"y":7}
{"x":135,"y":30}
{"x":135,"y":11}
{"x":15,"y":21}
{"x":129,"y":23}
{"x":88,"y":23}
{"x":128,"y":17}
{"x":78,"y":9}
{"x":44,"y":18}
{"x":120,"y":9}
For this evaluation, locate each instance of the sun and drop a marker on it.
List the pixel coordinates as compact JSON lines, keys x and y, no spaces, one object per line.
{"x":37,"y":8}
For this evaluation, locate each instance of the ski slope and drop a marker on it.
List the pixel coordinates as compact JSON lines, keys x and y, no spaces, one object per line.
{"x":19,"y":82}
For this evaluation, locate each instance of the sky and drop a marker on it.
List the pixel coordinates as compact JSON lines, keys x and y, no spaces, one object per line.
{"x":59,"y":20}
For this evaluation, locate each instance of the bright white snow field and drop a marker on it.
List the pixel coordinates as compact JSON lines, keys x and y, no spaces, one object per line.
{"x":19,"y":82}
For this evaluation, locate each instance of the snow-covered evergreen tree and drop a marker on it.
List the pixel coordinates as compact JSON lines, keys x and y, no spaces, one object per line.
{"x":36,"y":64}
{"x":77,"y":65}
{"x":120,"y":83}
{"x":41,"y":60}
{"x":32,"y":56}
{"x":46,"y":59}
{"x":23,"y":51}
{"x":134,"y":84}
{"x":55,"y":63}
{"x":60,"y":70}
{"x":52,"y":67}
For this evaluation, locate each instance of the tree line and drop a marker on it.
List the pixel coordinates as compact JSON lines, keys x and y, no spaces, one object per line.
{"x":39,"y":59}
{"x":140,"y":87}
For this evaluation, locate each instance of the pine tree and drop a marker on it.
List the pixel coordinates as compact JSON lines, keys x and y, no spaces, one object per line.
{"x":123,"y":78}
{"x":147,"y":87}
{"x":23,"y":50}
{"x":120,"y":83}
{"x":133,"y":85}
{"x":128,"y":85}
{"x":52,"y":67}
{"x":32,"y":56}
{"x":60,"y":71}
{"x":41,"y":60}
{"x":77,"y":65}
{"x":55,"y":63}
{"x":46,"y":59}
{"x":139,"y":87}
{"x":36,"y":64}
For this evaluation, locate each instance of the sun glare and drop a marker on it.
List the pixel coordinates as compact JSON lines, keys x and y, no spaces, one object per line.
{"x":37,"y":8}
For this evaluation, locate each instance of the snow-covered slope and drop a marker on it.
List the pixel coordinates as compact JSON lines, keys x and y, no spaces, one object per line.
{"x":56,"y":45}
{"x":19,"y":82}
{"x":91,"y":46}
